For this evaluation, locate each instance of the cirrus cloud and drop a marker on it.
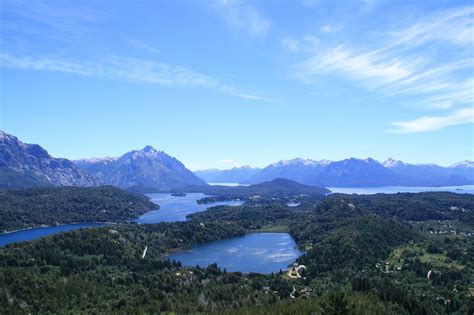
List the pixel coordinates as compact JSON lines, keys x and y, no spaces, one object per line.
{"x":432,"y":123}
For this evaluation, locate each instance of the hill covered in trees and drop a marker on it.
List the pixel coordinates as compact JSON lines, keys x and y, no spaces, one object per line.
{"x":59,"y":205}
{"x":277,"y":188}
{"x":358,"y":259}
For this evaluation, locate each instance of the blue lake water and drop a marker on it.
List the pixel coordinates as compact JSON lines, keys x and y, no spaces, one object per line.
{"x":174,"y":208}
{"x":256,"y":252}
{"x":465,"y":189}
{"x":171,"y":209}
{"x":31,"y":234}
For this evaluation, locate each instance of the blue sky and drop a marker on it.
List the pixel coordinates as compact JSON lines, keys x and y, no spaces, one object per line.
{"x":228,"y":83}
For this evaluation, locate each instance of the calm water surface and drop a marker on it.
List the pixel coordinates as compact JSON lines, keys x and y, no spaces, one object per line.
{"x":466,"y":189}
{"x":31,"y":234}
{"x":177,"y":208}
{"x":172,"y":209}
{"x":256,"y":252}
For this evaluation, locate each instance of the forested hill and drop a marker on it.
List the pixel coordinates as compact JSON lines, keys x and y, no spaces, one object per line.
{"x":357,"y":261}
{"x":279,"y":187}
{"x":415,"y":207}
{"x":21,"y":209}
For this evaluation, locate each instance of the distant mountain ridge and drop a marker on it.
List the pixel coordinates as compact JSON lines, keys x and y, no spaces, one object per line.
{"x":29,"y":165}
{"x":368,"y":172}
{"x":232,"y":175}
{"x":148,"y":170}
{"x":145,"y":170}
{"x":299,"y":170}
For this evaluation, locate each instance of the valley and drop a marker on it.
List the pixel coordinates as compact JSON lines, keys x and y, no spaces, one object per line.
{"x":334,"y":234}
{"x":149,"y":170}
{"x":237,"y":157}
{"x":274,"y":246}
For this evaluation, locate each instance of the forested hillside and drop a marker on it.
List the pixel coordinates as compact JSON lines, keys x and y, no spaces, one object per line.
{"x":358,"y":259}
{"x":58,"y":205}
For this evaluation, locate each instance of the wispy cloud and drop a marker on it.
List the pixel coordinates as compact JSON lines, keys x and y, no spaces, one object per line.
{"x":243,"y":16}
{"x":306,"y":44}
{"x":49,"y":20}
{"x":453,"y":26}
{"x":229,"y":163}
{"x":327,"y":28}
{"x":430,"y":61}
{"x":129,"y":69}
{"x":291,"y":44}
{"x":144,"y":46}
{"x":432,"y":123}
{"x":67,"y":30}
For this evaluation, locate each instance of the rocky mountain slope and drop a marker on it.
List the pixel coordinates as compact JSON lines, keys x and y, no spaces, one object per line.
{"x":29,"y":165}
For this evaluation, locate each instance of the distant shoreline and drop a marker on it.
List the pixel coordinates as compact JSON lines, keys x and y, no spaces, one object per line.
{"x":44,"y":226}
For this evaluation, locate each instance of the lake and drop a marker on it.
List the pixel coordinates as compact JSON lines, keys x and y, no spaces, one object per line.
{"x":465,"y":189}
{"x":31,"y":234}
{"x":173,"y":208}
{"x":256,"y":252}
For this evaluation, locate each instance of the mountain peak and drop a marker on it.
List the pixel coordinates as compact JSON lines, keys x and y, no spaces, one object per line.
{"x":30,"y":165}
{"x":466,"y":164}
{"x":354,"y":160}
{"x":300,"y":161}
{"x":391,"y":163}
{"x":143,"y":170}
{"x":148,"y":148}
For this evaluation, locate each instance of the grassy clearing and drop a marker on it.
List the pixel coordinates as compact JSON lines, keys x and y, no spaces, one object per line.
{"x":416,"y":250}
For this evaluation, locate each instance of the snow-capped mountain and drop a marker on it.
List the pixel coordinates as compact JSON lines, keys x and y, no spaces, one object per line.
{"x":299,"y":170}
{"x":233,"y":175}
{"x":145,"y":170}
{"x":463,"y":164}
{"x":368,"y":172}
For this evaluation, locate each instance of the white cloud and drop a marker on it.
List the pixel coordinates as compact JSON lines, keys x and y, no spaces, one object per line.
{"x":242,"y":16}
{"x":432,"y":123}
{"x":230,"y":163}
{"x":129,"y":69}
{"x":430,"y":61}
{"x":144,"y":46}
{"x":307,"y":43}
{"x":357,"y":66}
{"x":327,"y":28}
{"x":453,"y":26}
{"x":291,"y":44}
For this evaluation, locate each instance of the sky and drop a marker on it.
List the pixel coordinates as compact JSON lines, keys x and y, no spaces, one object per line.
{"x":226,"y":83}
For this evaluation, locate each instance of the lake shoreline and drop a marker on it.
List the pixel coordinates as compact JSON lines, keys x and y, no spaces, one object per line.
{"x":153,"y":216}
{"x":251,"y":252}
{"x":59,"y":225}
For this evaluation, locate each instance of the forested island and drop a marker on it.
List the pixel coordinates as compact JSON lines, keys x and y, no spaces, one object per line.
{"x":386,"y":254}
{"x":60,"y":205}
{"x":279,"y":189}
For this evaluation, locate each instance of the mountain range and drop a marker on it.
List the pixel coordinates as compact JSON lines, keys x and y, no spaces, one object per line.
{"x":145,"y":170}
{"x":233,"y":175}
{"x":148,"y":170}
{"x":29,"y":165}
{"x":354,"y":172}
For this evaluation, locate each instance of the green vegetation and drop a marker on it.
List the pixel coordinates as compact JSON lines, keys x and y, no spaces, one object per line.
{"x":363,"y":255}
{"x":279,"y":188}
{"x":58,"y":205}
